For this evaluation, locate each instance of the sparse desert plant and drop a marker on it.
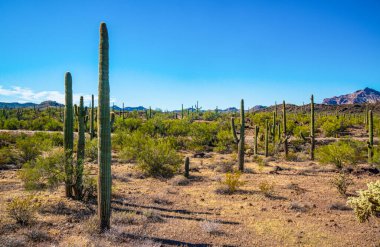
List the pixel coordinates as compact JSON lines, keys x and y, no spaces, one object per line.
{"x":152,"y":216}
{"x":211,"y":227}
{"x":127,"y":218}
{"x":340,"y":153}
{"x":224,"y":141}
{"x":37,"y":235}
{"x":45,"y":171}
{"x":179,"y":181}
{"x":341,"y":182}
{"x":231,"y":183}
{"x":266,"y":188}
{"x":367,"y":204}
{"x":91,"y":150}
{"x":22,"y":209}
{"x":29,"y":148}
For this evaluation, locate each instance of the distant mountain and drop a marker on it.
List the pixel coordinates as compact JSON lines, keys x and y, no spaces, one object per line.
{"x":257,"y":108}
{"x":230,"y":109}
{"x":129,"y":108}
{"x":367,"y":95}
{"x":44,"y":104}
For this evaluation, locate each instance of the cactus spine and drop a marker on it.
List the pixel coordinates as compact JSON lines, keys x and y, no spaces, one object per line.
{"x":68,"y":139}
{"x":284,"y":129}
{"x":312,"y":136}
{"x":187,"y":167}
{"x":370,"y":131}
{"x":81,"y":113}
{"x":104,"y":133}
{"x":240,"y":141}
{"x":266,"y":137}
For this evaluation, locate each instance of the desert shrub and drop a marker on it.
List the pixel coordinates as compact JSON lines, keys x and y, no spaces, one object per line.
{"x":367,"y":204}
{"x":22,"y":209}
{"x":225,"y":141}
{"x":89,"y":187}
{"x":91,"y":149}
{"x":44,"y":171}
{"x":53,"y":125}
{"x":11,"y":124}
{"x":341,"y":182}
{"x":211,"y":227}
{"x":29,"y":148}
{"x":331,"y":126}
{"x":157,"y":158}
{"x":340,"y":153}
{"x":231,"y":183}
{"x":36,"y":235}
{"x":128,"y":218}
{"x":203,"y":135}
{"x":210,"y":115}
{"x":177,"y":127}
{"x":128,"y":124}
{"x":131,"y":144}
{"x":266,"y":188}
{"x":7,"y":156}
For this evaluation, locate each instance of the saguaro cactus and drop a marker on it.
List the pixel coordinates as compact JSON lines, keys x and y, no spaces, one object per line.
{"x":370,"y":133}
{"x":68,"y":135}
{"x":284,"y":129}
{"x":187,"y":167}
{"x":182,"y":112}
{"x":240,"y":141}
{"x":81,"y":113}
{"x":274,"y":127}
{"x":255,"y":142}
{"x":104,"y":133}
{"x":92,"y":131}
{"x":266,"y":137}
{"x":312,"y":136}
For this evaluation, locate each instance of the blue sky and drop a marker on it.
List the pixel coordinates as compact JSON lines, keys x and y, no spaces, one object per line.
{"x":169,"y":52}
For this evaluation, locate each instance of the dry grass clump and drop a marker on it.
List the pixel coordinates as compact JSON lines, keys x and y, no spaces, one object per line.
{"x":340,"y":206}
{"x":152,"y":216}
{"x":266,"y":188}
{"x":179,"y":181}
{"x":128,"y":218}
{"x":12,"y":241}
{"x":341,"y":182}
{"x":299,"y":207}
{"x":224,"y":166}
{"x":230,"y":184}
{"x":37,"y":235}
{"x":23,"y":209}
{"x":161,"y":199}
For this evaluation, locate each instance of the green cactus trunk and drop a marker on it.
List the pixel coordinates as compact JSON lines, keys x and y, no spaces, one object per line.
{"x":81,"y":114}
{"x":274,"y":128}
{"x":284,"y":129}
{"x":123,"y":112}
{"x":256,"y":137}
{"x":68,"y":135}
{"x":182,"y":112}
{"x":266,"y":137}
{"x":187,"y":167}
{"x":312,"y":128}
{"x":150,"y":112}
{"x":92,"y":131}
{"x":104,"y":133}
{"x":240,"y":141}
{"x":370,"y":141}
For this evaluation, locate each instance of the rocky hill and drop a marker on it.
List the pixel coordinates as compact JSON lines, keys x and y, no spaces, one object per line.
{"x":367,"y":95}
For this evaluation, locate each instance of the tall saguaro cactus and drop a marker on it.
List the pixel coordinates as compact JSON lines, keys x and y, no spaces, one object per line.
{"x":274,"y":127}
{"x":284,"y":129}
{"x":182,"y":112}
{"x":81,"y":113}
{"x":240,"y":141}
{"x":370,"y":135}
{"x":104,"y":133}
{"x":92,"y":131}
{"x":312,"y":128}
{"x":68,"y":133}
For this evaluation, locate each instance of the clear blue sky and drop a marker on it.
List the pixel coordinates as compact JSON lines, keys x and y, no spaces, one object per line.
{"x":164,"y":53}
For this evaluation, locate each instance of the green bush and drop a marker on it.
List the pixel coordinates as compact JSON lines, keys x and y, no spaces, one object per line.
{"x":225,"y":141}
{"x":367,"y":204}
{"x":340,"y":153}
{"x":158,"y":159}
{"x":130,"y":144}
{"x":91,"y":149}
{"x":7,"y":156}
{"x":29,"y":148}
{"x":203,"y":135}
{"x":331,"y":126}
{"x":44,"y":171}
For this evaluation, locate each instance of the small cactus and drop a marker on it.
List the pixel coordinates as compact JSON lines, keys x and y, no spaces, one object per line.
{"x":256,"y":137}
{"x":284,"y":129}
{"x":370,"y":136}
{"x":187,"y":167}
{"x":312,"y":128}
{"x":266,"y":137}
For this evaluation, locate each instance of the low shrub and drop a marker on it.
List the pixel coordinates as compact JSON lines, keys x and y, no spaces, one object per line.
{"x":266,"y":188}
{"x":231,"y":183}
